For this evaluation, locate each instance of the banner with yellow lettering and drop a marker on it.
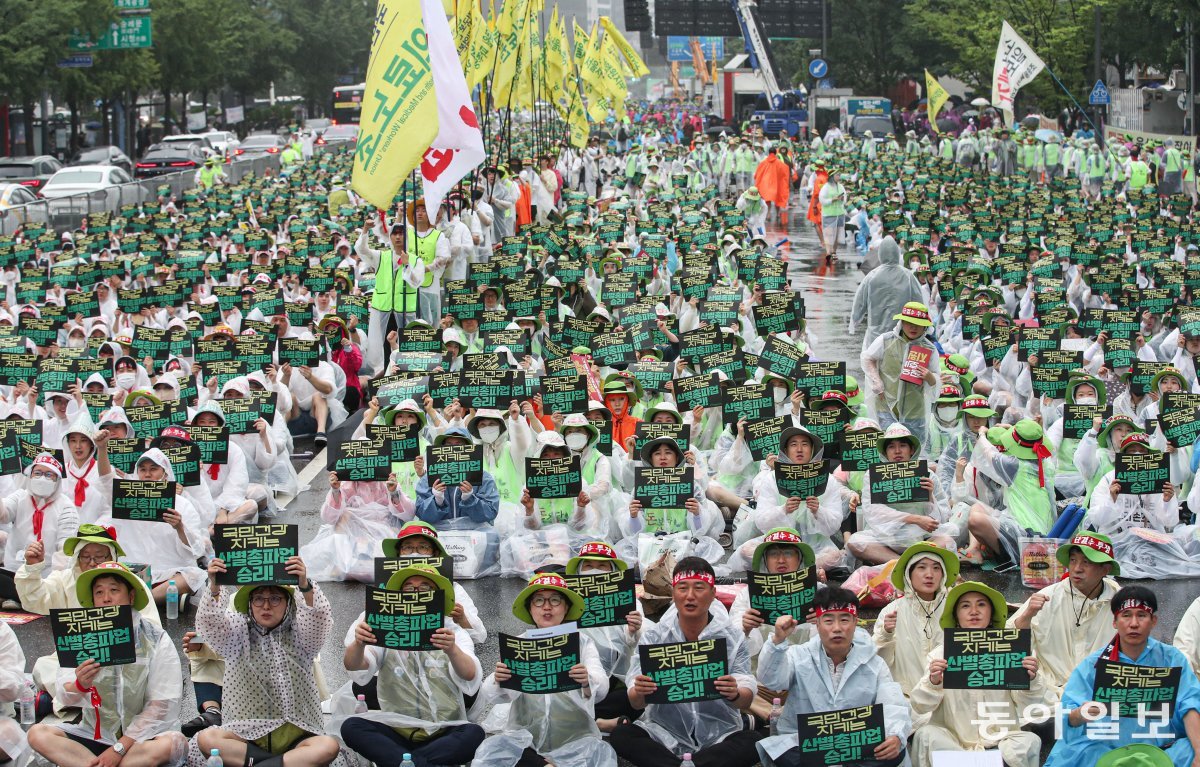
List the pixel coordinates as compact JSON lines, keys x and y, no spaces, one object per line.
{"x":636,"y":65}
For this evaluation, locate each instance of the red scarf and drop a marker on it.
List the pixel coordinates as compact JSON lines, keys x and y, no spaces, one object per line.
{"x":94,"y":698}
{"x":1040,"y":450}
{"x":39,"y":516}
{"x":213,"y":470}
{"x":81,"y":483}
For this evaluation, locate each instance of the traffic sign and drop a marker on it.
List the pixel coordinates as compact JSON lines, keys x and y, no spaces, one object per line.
{"x":1099,"y":95}
{"x":131,"y":5}
{"x":129,"y":32}
{"x":818,"y":68}
{"x":77,"y":61}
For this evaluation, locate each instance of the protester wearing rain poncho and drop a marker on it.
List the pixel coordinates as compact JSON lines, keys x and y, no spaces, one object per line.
{"x":883,"y":293}
{"x":907,"y":629}
{"x":422,"y":711}
{"x":891,"y":528}
{"x":133,"y":706}
{"x":807,"y":672}
{"x":1095,"y":455}
{"x":582,"y":437}
{"x":1071,"y":618}
{"x":1134,"y":616}
{"x":816,"y":520}
{"x":973,"y":412}
{"x":894,"y":399}
{"x":954,"y":715}
{"x":712,"y":731}
{"x":271,"y":705}
{"x":82,"y":478}
{"x":38,"y":511}
{"x":1081,"y":390}
{"x":557,"y":727}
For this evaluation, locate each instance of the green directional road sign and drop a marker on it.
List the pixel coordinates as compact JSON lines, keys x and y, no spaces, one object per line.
{"x":129,"y":32}
{"x":131,"y":5}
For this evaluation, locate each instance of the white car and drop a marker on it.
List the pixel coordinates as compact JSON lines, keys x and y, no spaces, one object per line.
{"x":85,"y":179}
{"x":225,"y":143}
{"x":199,"y":139}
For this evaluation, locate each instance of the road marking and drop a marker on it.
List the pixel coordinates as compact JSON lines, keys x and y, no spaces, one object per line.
{"x":315,"y":466}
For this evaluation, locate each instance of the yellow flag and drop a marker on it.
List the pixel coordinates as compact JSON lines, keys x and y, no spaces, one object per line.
{"x":556,"y":52}
{"x":461,"y":25}
{"x":610,"y":69}
{"x":477,"y":64}
{"x":577,"y":119}
{"x":512,"y":39}
{"x":636,"y":65}
{"x":399,"y":117}
{"x":936,"y":97}
{"x":580,"y":46}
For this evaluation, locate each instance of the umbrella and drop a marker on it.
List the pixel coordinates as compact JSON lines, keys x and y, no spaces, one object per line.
{"x":979,"y":101}
{"x":1044,"y":134}
{"x":971,"y":113}
{"x":1031,"y":121}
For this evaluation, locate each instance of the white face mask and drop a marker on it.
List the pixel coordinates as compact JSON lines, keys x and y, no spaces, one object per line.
{"x":126,"y":380}
{"x":42,"y":487}
{"x":947,"y":413}
{"x":779,"y":393}
{"x":1085,"y":400}
{"x":577,"y":442}
{"x":489,"y":434}
{"x":585,"y":570}
{"x":76,"y":343}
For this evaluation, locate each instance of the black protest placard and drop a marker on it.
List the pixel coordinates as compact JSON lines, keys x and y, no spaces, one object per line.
{"x":419,"y":338}
{"x":490,"y":389}
{"x":608,"y":597}
{"x":1061,"y":359}
{"x":1049,"y":382}
{"x":816,"y":378}
{"x":1077,"y":419}
{"x":102,"y":634}
{"x":732,"y":361}
{"x":646,"y":431}
{"x":762,"y":437}
{"x":781,"y":357}
{"x":553,"y":477}
{"x":829,"y":424}
{"x":455,"y":464}
{"x":386,"y":566}
{"x":149,"y":420}
{"x":1142,"y":473}
{"x":661,"y":489}
{"x":255,"y":553}
{"x":150,"y":342}
{"x":360,"y":460}
{"x":17,"y":367}
{"x":123,"y":453}
{"x":801,"y":480}
{"x":256,"y":351}
{"x":540,"y":665}
{"x":402,"y":443}
{"x":1181,"y":427}
{"x":13,"y":435}
{"x":1130,"y":687}
{"x":997,"y":344}
{"x":695,"y":344}
{"x":701,"y":390}
{"x":242,"y":412}
{"x":898,"y":482}
{"x":845,"y":736}
{"x":300,"y":352}
{"x":213,"y":442}
{"x":777,"y":594}
{"x":778,"y":313}
{"x":185,"y":462}
{"x":986,"y":659}
{"x":142,"y":500}
{"x":860,"y":449}
{"x":751,"y":401}
{"x":564,"y":394}
{"x":1037,"y":340}
{"x":442,"y":387}
{"x":685,"y":672}
{"x":1141,"y":372}
{"x":577,"y":332}
{"x":41,"y":330}
{"x":30,"y":452}
{"x":653,"y":374}
{"x":217,"y":349}
{"x":405,"y":620}
{"x":614,"y":347}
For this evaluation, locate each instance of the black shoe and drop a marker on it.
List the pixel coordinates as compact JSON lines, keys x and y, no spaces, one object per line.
{"x":320,"y":440}
{"x":210,"y":718}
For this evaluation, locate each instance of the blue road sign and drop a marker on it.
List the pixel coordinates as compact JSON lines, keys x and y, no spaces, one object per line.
{"x":818,"y":68}
{"x":77,"y":61}
{"x":1099,"y":95}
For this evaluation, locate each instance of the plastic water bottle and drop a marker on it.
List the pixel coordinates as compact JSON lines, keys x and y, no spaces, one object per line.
{"x":407,"y":762}
{"x":360,"y":706}
{"x":214,"y":759}
{"x":773,"y":719}
{"x":687,"y":761}
{"x":172,"y":601}
{"x":28,"y":699}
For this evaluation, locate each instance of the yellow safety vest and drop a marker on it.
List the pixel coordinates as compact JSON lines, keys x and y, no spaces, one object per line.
{"x":385,"y":299}
{"x":426,"y":251}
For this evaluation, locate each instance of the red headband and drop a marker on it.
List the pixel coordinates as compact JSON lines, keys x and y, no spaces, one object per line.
{"x":1133,"y":604}
{"x":845,"y":607}
{"x":693,"y":575}
{"x":1096,"y":544}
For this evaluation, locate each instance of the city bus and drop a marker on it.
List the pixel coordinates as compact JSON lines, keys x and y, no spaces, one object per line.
{"x":347,"y":104}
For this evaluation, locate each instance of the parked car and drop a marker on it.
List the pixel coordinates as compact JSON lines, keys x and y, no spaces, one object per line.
{"x":15,"y":207}
{"x":31,"y":171}
{"x":317,"y":124}
{"x":262,"y":144}
{"x":335,"y":134}
{"x":224,"y":143}
{"x":104,"y":155}
{"x":99,"y":181}
{"x":170,"y":157}
{"x":198,"y":139}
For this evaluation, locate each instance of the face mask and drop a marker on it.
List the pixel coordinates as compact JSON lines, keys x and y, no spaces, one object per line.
{"x":489,"y":434}
{"x":585,"y":570}
{"x":76,"y":343}
{"x":779,"y":394}
{"x":577,"y":442}
{"x":126,"y":380}
{"x":947,"y":413}
{"x":1085,"y":400}
{"x":42,"y":487}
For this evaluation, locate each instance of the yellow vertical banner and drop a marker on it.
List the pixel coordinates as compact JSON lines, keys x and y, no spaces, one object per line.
{"x":399,"y":112}
{"x":935,"y":98}
{"x":636,"y":65}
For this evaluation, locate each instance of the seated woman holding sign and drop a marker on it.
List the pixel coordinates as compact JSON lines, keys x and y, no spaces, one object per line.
{"x":577,"y":512}
{"x":556,"y":727}
{"x":171,"y":546}
{"x":976,"y":719}
{"x":1089,"y":729}
{"x":419,"y":539}
{"x":893,"y":526}
{"x":835,"y":670}
{"x":130,"y":711}
{"x":422,"y":712}
{"x":270,"y":702}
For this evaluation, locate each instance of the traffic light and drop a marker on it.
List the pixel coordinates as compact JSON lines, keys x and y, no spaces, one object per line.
{"x":637,"y":16}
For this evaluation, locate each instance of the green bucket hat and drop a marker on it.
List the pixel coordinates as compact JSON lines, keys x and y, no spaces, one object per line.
{"x":854,"y":392}
{"x":105,"y":536}
{"x":1113,"y":420}
{"x":1136,"y":755}
{"x":894,"y":432}
{"x":1096,"y":547}
{"x":1160,"y":375}
{"x":547,"y":582}
{"x":976,"y":406}
{"x":241,"y":599}
{"x":962,"y":366}
{"x":617,"y":385}
{"x":1078,"y":379}
{"x":950,"y":395}
{"x":391,"y":546}
{"x":783,"y":536}
{"x":425,"y":571}
{"x":999,"y":606}
{"x":595,"y":551}
{"x":916,"y":313}
{"x":949,"y":563}
{"x":1023,"y":439}
{"x":83,"y":586}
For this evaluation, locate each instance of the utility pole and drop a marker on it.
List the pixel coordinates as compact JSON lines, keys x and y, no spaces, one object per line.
{"x":1099,"y":110}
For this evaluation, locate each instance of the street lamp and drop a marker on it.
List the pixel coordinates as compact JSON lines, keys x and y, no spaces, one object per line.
{"x":813,"y":53}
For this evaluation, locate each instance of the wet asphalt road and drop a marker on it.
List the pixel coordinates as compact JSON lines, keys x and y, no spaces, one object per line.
{"x":828,"y":293}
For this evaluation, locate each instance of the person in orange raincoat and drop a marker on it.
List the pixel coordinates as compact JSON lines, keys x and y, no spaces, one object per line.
{"x":820,"y":176}
{"x":620,"y":399}
{"x":773,"y":180}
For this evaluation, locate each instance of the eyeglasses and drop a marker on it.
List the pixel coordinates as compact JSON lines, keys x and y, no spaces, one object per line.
{"x":415,"y":588}
{"x":42,"y":474}
{"x":94,"y":559}
{"x":550,"y":601}
{"x":263,"y":600}
{"x":420,"y":549}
